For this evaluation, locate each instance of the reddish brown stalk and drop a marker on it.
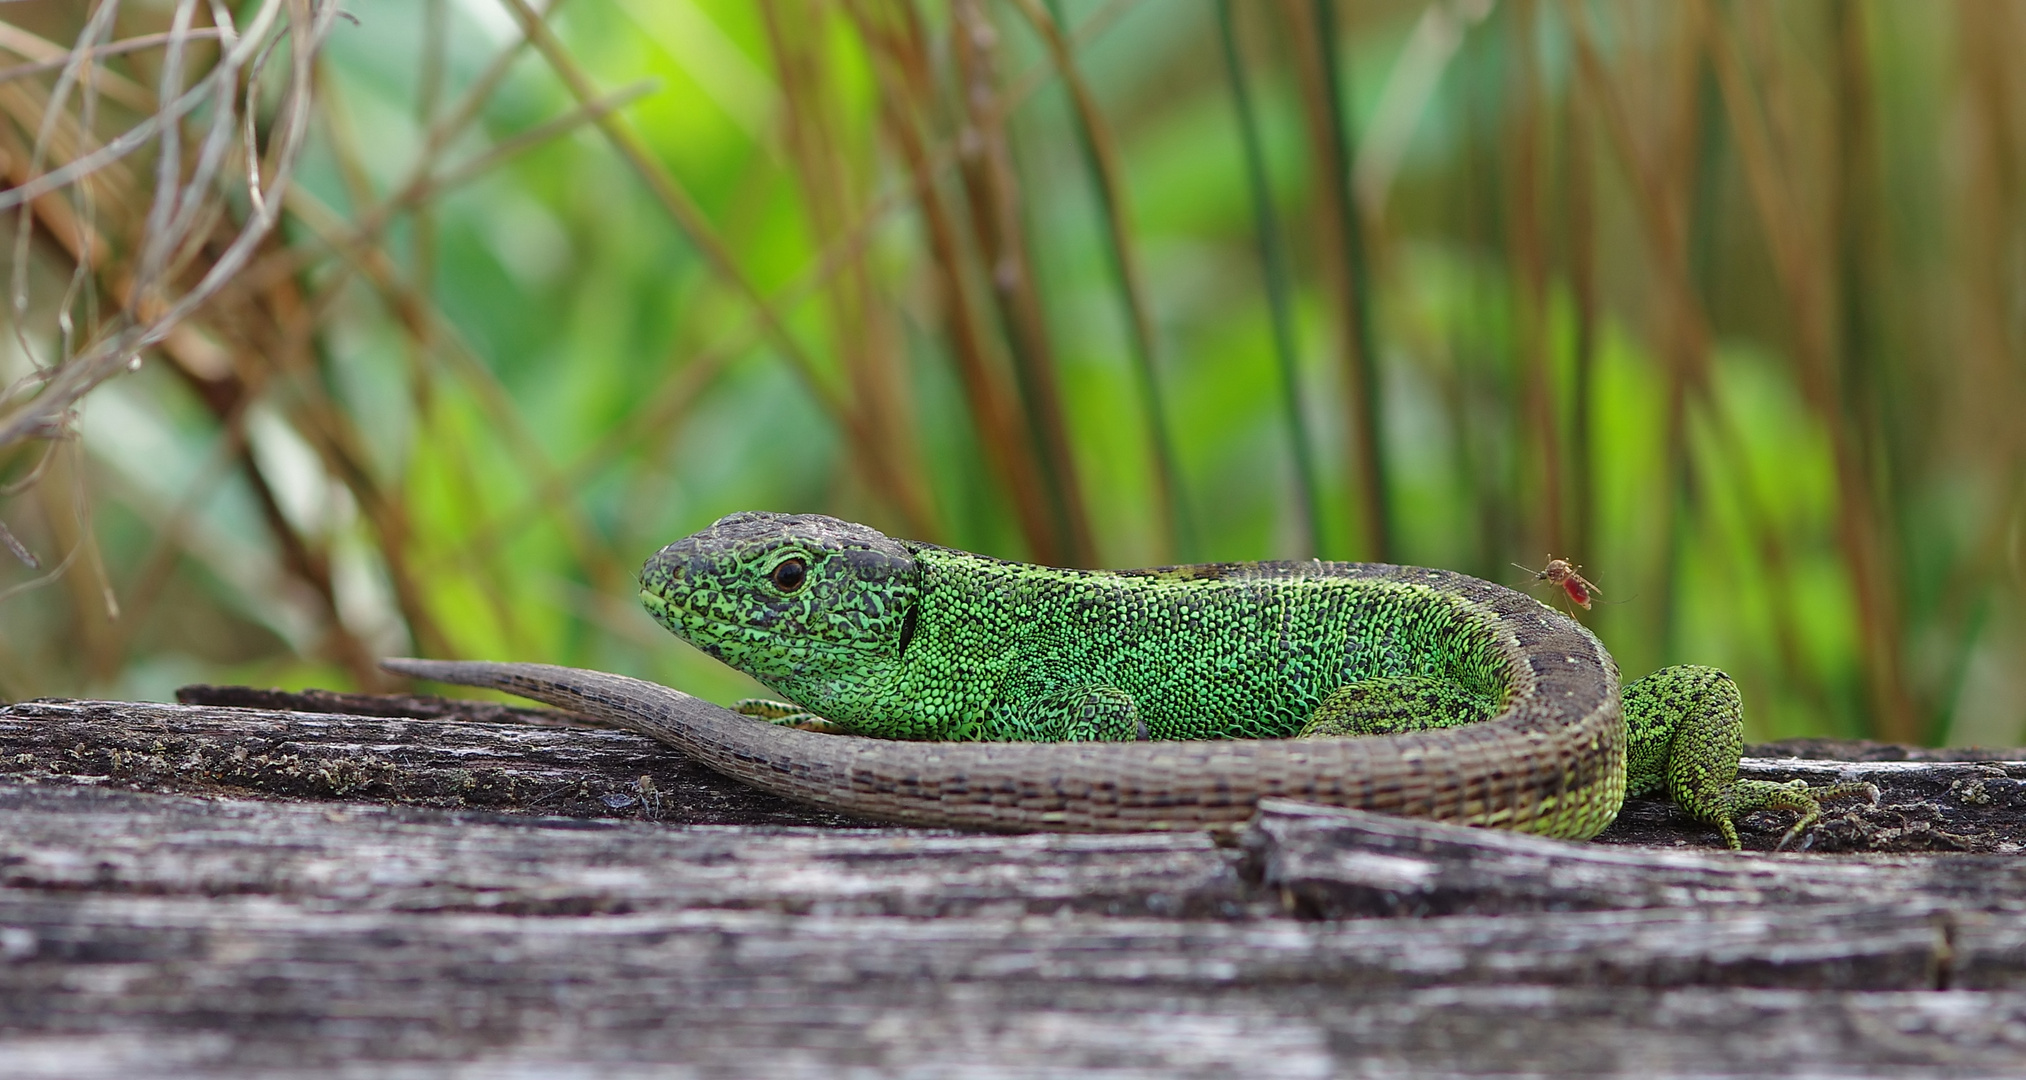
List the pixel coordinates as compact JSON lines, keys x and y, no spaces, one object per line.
{"x":1102,"y":158}
{"x":48,"y":55}
{"x":1337,"y":235}
{"x":862,"y":331}
{"x":874,"y":468}
{"x":1275,"y":275}
{"x":1685,"y":337}
{"x":1782,"y":599}
{"x":1988,"y":389}
{"x":420,"y":185}
{"x":223,"y":390}
{"x":899,"y":62}
{"x":1658,"y":213}
{"x":985,"y":164}
{"x":1992,"y":210}
{"x":64,"y":508}
{"x":686,"y":376}
{"x":1528,"y":251}
{"x":1801,"y":273}
{"x":1687,"y":352}
{"x":1579,"y":192}
{"x":271,"y":332}
{"x":344,"y":448}
{"x":1858,"y":204}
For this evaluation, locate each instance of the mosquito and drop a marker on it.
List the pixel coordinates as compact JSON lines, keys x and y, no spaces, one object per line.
{"x":1564,"y":575}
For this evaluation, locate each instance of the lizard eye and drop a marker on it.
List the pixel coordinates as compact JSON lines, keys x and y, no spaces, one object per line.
{"x":790,"y":575}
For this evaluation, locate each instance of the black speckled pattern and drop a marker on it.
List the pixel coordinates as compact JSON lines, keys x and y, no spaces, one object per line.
{"x":1007,"y":651}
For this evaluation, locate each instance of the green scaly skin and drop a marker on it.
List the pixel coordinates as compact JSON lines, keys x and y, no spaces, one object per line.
{"x":870,"y":635}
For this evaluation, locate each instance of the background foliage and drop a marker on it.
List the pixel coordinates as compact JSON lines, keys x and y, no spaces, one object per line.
{"x":1725,"y":300}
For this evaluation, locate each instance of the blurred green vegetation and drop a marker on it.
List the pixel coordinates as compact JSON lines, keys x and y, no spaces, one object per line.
{"x":1724,"y":300}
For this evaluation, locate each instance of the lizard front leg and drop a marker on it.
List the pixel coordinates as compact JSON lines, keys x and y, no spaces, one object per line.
{"x":1687,"y":730}
{"x":787,"y":714}
{"x":1082,"y":714}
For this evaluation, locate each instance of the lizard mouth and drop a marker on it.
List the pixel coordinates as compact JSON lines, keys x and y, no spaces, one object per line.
{"x":669,"y":589}
{"x":679,"y":617}
{"x":659,"y":607}
{"x":693,"y":623}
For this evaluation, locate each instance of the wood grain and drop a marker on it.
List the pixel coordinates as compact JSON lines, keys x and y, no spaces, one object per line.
{"x":198,"y":891}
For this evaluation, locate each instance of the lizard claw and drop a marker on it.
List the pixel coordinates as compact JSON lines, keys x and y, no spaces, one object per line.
{"x":1807,"y":819}
{"x":1808,"y":801}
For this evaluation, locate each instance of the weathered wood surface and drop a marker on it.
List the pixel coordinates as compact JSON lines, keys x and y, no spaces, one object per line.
{"x":223,"y":892}
{"x":1328,"y":863}
{"x":552,"y":767}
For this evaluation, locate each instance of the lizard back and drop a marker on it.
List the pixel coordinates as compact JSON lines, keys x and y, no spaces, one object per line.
{"x":1218,"y":650}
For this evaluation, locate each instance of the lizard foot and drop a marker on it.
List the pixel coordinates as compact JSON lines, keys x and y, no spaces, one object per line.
{"x":1749,"y":795}
{"x":787,"y":714}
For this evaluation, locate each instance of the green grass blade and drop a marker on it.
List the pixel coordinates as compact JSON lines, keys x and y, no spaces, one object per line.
{"x":1100,"y":162}
{"x":1363,"y":356}
{"x":1273,"y":264}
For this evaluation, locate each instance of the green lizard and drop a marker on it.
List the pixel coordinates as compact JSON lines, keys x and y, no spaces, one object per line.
{"x":1499,"y":710}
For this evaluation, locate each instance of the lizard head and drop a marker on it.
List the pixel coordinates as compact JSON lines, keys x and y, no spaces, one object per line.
{"x":802,"y":602}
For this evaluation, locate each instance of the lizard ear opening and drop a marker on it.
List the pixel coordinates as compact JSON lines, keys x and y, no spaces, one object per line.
{"x":907,"y":628}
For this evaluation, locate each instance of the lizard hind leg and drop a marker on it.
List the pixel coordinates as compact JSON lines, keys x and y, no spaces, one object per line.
{"x":1686,"y":732}
{"x":1391,"y":705}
